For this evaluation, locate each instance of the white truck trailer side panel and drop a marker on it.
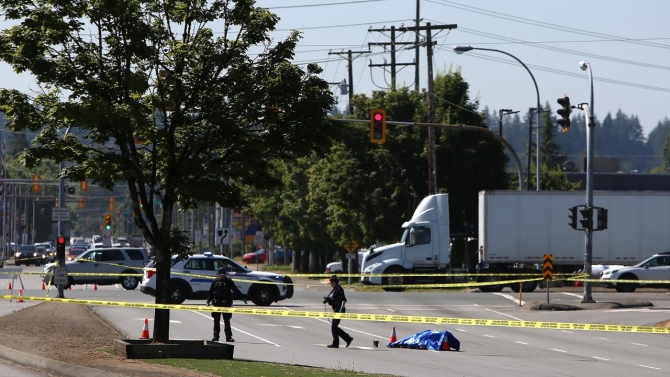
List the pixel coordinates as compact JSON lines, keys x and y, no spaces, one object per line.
{"x":522,"y":226}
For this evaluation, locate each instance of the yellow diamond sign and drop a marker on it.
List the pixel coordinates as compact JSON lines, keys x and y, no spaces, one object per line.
{"x":351,"y":246}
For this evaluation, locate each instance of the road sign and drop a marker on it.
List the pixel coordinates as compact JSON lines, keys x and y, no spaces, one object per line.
{"x":60,"y":214}
{"x":60,"y":276}
{"x":548,"y":267}
{"x":351,"y":246}
{"x":222,"y":236}
{"x":106,"y":239}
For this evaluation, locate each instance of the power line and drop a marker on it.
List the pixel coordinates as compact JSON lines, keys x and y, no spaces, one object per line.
{"x":547,"y":25}
{"x":326,"y":4}
{"x":571,"y":74}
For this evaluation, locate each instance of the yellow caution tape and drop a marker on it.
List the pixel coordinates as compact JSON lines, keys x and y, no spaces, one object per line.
{"x":367,"y":317}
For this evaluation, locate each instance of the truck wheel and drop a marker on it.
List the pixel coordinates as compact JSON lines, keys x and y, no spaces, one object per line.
{"x":490,"y":288}
{"x":528,"y":286}
{"x":395,"y":280}
{"x":626,"y":287}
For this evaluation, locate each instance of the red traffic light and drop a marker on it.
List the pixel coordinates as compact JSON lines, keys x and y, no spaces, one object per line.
{"x":61,"y":240}
{"x":378,"y":126}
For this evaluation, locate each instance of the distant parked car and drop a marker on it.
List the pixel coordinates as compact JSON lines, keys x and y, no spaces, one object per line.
{"x":258,"y":256}
{"x":279,"y":255}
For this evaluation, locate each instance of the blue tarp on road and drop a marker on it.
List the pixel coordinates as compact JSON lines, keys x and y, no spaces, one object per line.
{"x":427,"y":340}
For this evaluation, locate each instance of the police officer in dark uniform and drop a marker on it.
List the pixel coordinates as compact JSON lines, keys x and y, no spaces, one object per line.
{"x":337,"y":300}
{"x":221,"y":293}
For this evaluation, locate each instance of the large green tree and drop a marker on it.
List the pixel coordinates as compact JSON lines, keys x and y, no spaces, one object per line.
{"x":201,"y":81}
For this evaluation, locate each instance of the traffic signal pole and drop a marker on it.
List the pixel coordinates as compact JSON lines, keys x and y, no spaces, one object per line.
{"x":61,"y":204}
{"x":588,"y":253}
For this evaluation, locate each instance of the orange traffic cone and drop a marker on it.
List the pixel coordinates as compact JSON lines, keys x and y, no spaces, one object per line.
{"x":145,"y":330}
{"x":20,"y":296}
{"x":43,"y":287}
{"x":10,"y":286}
{"x":393,"y":337}
{"x":445,"y":344}
{"x":95,"y":287}
{"x":579,"y":284}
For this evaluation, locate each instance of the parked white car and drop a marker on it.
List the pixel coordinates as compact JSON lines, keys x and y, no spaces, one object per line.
{"x":190,"y":279}
{"x":657,"y":267}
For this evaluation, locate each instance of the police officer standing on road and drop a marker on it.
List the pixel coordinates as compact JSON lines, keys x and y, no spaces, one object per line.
{"x":337,"y":300}
{"x":221,"y":293}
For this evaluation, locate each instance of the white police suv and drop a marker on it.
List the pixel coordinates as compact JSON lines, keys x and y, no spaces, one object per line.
{"x":191,"y":278}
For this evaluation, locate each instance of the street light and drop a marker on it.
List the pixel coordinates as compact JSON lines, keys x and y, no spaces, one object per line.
{"x":462,"y":49}
{"x":588,"y":249}
{"x":502,"y":112}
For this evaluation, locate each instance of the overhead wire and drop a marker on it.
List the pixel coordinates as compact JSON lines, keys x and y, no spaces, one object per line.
{"x":571,"y":74}
{"x":486,"y":12}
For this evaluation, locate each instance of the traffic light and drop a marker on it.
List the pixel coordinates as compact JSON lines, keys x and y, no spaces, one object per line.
{"x":573,"y":217}
{"x":602,"y":219}
{"x":107,"y":222}
{"x":111,"y":203}
{"x":564,"y":112}
{"x":587,"y":218}
{"x":60,"y":248}
{"x":83,"y":185}
{"x":378,"y":126}
{"x":80,"y":204}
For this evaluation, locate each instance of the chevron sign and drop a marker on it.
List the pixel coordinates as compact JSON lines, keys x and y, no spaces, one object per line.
{"x":548,"y":267}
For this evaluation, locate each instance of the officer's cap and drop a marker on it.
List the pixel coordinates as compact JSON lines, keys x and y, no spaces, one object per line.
{"x":222,"y":271}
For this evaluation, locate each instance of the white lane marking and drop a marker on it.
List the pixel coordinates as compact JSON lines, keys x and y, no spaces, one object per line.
{"x":604,"y":338}
{"x":506,"y":315}
{"x":151,"y":319}
{"x":647,"y":366}
{"x":572,"y":294}
{"x":639,"y":344}
{"x":569,"y":332}
{"x":510,"y":297}
{"x":557,"y":350}
{"x":273,"y":325}
{"x":391,"y":310}
{"x":489,"y":336}
{"x":348,"y":328}
{"x":600,"y":358}
{"x":475,"y":304}
{"x":243,"y":332}
{"x":461,"y":330}
{"x":524,"y":343}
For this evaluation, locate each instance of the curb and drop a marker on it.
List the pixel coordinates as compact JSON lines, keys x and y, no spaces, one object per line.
{"x":53,"y":366}
{"x":588,"y":306}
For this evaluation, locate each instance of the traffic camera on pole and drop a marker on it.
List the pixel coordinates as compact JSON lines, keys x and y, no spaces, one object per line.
{"x":378,"y":126}
{"x":564,"y":112}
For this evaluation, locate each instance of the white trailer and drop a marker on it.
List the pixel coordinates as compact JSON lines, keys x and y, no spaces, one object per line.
{"x":519,"y":227}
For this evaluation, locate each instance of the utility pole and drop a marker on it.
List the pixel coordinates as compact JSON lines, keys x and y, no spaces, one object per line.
{"x":432,"y":175}
{"x":351,"y":74}
{"x":417,"y":42}
{"x":432,"y":169}
{"x":393,"y":45}
{"x":530,"y":144}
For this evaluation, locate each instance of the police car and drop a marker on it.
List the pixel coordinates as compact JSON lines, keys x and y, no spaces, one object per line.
{"x":191,"y":278}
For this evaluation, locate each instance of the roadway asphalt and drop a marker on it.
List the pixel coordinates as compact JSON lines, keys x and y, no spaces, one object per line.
{"x":64,"y":369}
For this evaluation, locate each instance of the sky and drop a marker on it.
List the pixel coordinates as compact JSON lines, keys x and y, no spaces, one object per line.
{"x":625,"y":43}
